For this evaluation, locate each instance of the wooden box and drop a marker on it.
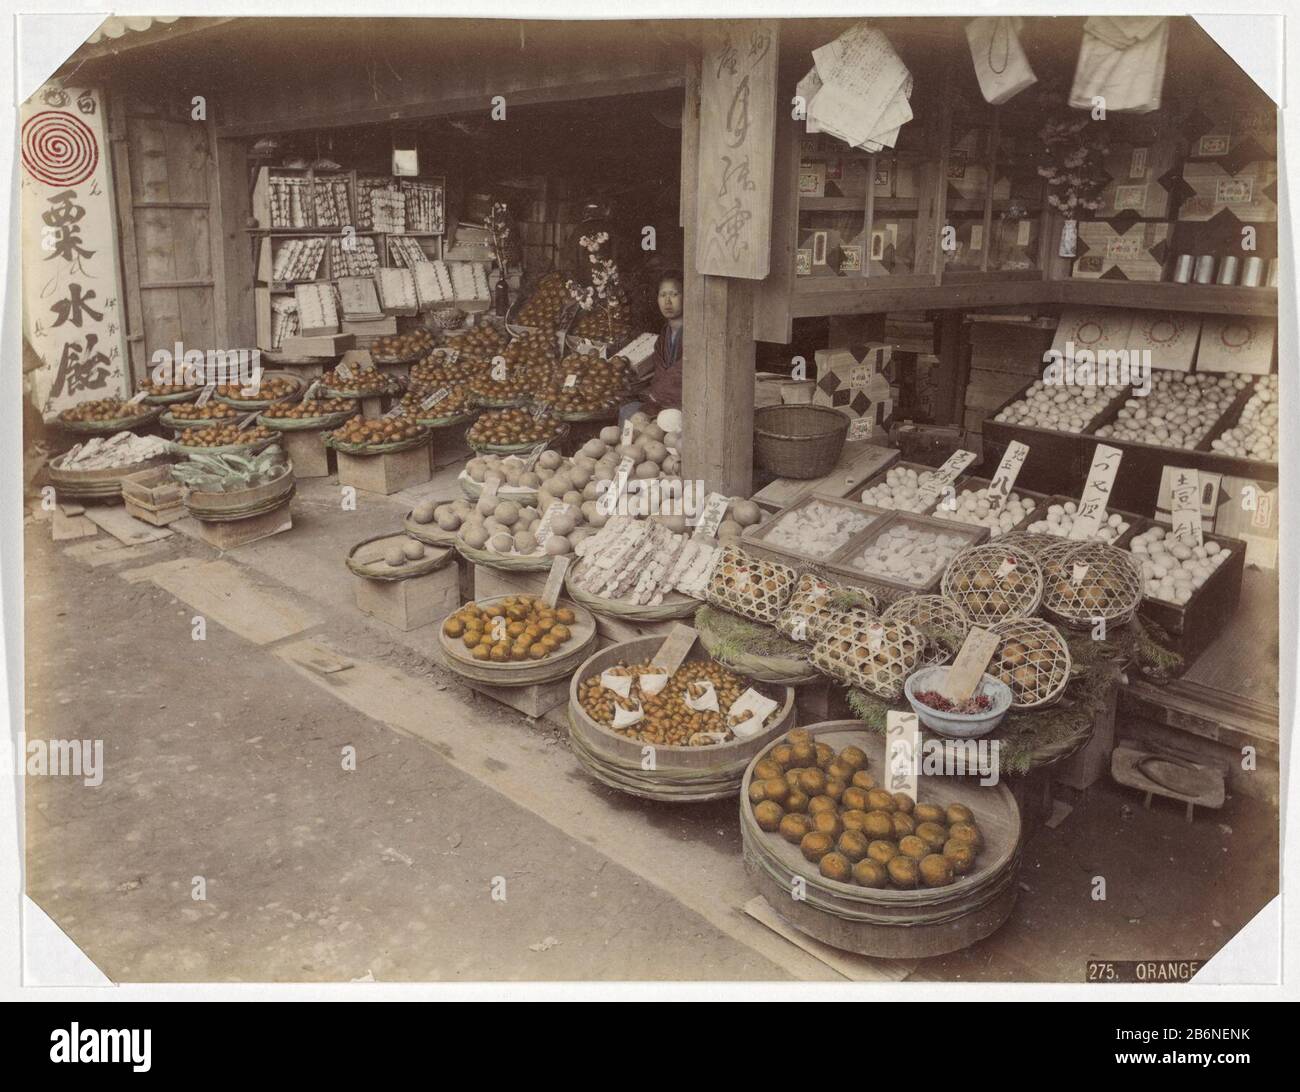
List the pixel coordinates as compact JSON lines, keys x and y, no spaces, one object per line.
{"x":489,"y":582}
{"x":754,"y":539}
{"x":1082,"y":769}
{"x":1193,"y":626}
{"x":920,"y":468}
{"x":226,"y":536}
{"x":153,"y":496}
{"x":308,"y":453}
{"x":532,"y":701}
{"x":411,"y":603}
{"x":320,"y":345}
{"x":1124,"y":250}
{"x":886,"y":589}
{"x":1250,"y":194}
{"x":389,"y":473}
{"x":366,"y":328}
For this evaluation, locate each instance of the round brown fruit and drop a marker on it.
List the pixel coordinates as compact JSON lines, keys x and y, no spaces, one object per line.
{"x":855,"y":799}
{"x":757,"y":793}
{"x":797,"y":800}
{"x":966,"y":832}
{"x":904,"y":803}
{"x":903,"y":825}
{"x":959,"y":813}
{"x":929,"y":813}
{"x":813,"y":782}
{"x":827,"y":822}
{"x":855,"y":757}
{"x":933,"y":834}
{"x":879,"y":825}
{"x":819,"y":804}
{"x":882,"y":851}
{"x":936,"y":870}
{"x":961,"y":855}
{"x":793,"y":827}
{"x":815,"y":845}
{"x":913,"y":847}
{"x":836,"y":866}
{"x":835,"y":789}
{"x":768,"y":814}
{"x":766,"y":769}
{"x":903,"y":871}
{"x":869,"y":873}
{"x":863,"y":780}
{"x":853,"y":844}
{"x":775,"y":788}
{"x":853,"y":819}
{"x":880,"y":800}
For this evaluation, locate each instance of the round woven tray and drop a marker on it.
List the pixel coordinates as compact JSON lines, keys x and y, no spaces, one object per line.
{"x":307,"y":424}
{"x":234,"y":515}
{"x":473,"y":490}
{"x":391,"y":390}
{"x":379,"y":449}
{"x":172,"y":399}
{"x":100,"y":428}
{"x":509,"y":563}
{"x":446,"y":422}
{"x":604,"y":414}
{"x":558,"y":665}
{"x":430,"y":532}
{"x":675,"y":605}
{"x":517,"y":449}
{"x":180,"y":424}
{"x":97,"y":484}
{"x":261,"y":403}
{"x":366,"y":559}
{"x":483,"y":402}
{"x":223,"y":449}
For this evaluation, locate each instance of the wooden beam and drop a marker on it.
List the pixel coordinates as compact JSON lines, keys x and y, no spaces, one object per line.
{"x":236,"y":318}
{"x":132,"y":313}
{"x":718,"y":385}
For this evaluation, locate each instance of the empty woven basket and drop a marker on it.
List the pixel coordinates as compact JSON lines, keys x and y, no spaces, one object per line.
{"x":799,"y":441}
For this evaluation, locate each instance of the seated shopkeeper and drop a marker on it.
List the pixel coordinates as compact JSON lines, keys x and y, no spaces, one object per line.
{"x":665,"y":390}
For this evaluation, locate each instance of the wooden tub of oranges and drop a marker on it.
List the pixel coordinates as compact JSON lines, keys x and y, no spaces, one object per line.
{"x":516,"y":640}
{"x":671,"y":737}
{"x":858,"y":867}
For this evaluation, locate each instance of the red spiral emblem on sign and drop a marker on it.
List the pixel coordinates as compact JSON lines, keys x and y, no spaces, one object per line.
{"x":59,"y":149}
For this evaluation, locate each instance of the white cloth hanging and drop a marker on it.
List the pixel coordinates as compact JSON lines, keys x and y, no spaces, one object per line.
{"x":1001,"y":66}
{"x":1121,"y":62}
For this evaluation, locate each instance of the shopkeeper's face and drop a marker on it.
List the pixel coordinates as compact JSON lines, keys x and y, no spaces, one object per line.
{"x":670,"y":300}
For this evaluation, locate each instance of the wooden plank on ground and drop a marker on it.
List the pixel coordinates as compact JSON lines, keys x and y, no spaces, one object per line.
{"x":223,"y":593}
{"x":854,"y":967}
{"x":125,"y":528}
{"x":64,"y":527}
{"x":108,"y":551}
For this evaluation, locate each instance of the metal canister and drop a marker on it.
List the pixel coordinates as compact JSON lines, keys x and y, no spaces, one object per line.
{"x":1205,"y":269}
{"x":1252,"y":272}
{"x":1228,"y":269}
{"x":1183,"y":269}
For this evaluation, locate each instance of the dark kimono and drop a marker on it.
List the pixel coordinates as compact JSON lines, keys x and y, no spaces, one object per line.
{"x":666,"y":384}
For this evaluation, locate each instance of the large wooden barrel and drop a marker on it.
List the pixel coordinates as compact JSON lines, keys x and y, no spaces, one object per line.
{"x":683,"y":774}
{"x":890,"y":923}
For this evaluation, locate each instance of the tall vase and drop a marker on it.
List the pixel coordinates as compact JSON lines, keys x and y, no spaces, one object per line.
{"x":1069,"y":239}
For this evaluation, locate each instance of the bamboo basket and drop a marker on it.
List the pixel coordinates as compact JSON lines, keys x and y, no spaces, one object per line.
{"x":930,"y":612}
{"x":366,"y":559}
{"x":379,"y":449}
{"x":1093,"y":581}
{"x":181,"y":424}
{"x":509,"y":563}
{"x":261,"y":403}
{"x":307,"y":424}
{"x":429,"y":533}
{"x":525,"y":673}
{"x":886,"y":922}
{"x":171,"y":399}
{"x":224,"y":449}
{"x":446,"y":422}
{"x":101,"y":428}
{"x":226,"y":507}
{"x":799,"y":441}
{"x":675,"y":605}
{"x":681,"y":774}
{"x":517,"y":449}
{"x":605,"y":413}
{"x":102,"y":484}
{"x":1053,"y":676}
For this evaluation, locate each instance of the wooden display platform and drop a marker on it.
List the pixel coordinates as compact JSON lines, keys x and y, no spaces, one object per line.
{"x":411,"y":603}
{"x":226,"y":536}
{"x":388,"y":473}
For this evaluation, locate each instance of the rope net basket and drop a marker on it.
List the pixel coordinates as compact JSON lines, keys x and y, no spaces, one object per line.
{"x":752,"y":587}
{"x":816,"y":602}
{"x":941,"y":621}
{"x":994,"y":582}
{"x":1033,"y":659}
{"x":1091,"y":583}
{"x":868,"y":653}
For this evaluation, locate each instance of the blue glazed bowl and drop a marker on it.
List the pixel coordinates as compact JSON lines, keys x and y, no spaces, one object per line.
{"x":957,"y":725}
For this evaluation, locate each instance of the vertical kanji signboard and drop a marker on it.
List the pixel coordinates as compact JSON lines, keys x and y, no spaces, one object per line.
{"x":72,"y":315}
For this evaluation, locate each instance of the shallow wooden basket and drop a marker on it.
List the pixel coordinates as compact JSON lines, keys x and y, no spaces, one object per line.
{"x":227,"y":507}
{"x":523,"y":673}
{"x":681,"y":774}
{"x":380,"y":449}
{"x":366,"y":559}
{"x":675,"y":605}
{"x":97,"y":484}
{"x":429,"y":533}
{"x":308,"y":424}
{"x":777,"y":670}
{"x":509,"y":563}
{"x":106,"y":428}
{"x":261,"y":403}
{"x":887,"y":922}
{"x":484,"y":448}
{"x":171,"y":399}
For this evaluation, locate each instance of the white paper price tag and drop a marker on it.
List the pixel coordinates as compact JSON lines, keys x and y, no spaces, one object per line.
{"x":535,"y":454}
{"x":571,"y":380}
{"x":628,"y":431}
{"x":1185,"y":506}
{"x":1004,"y":478}
{"x":943,"y":478}
{"x":437,"y":396}
{"x":753,"y":710}
{"x":1095,"y":499}
{"x":554,"y":510}
{"x":860,"y":428}
{"x":555,"y":581}
{"x":902,"y":751}
{"x":968,"y":668}
{"x":715,"y":506}
{"x":343,"y":370}
{"x":310,"y":395}
{"x":1079,"y":573}
{"x":1007,"y":567}
{"x":137,"y":398}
